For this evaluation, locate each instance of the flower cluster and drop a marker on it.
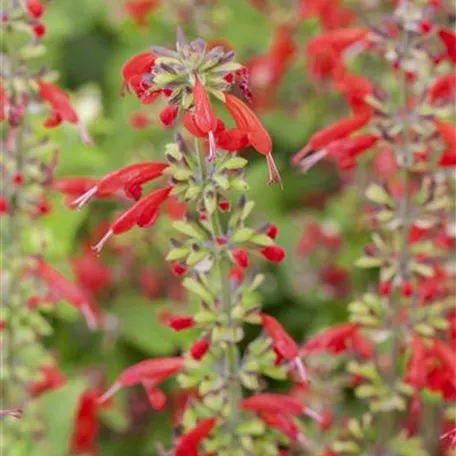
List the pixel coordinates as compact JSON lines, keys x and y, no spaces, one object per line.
{"x":399,"y":337}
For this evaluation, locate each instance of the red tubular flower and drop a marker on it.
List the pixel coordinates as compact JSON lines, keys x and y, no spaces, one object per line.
{"x":169,"y":114}
{"x":285,"y":425}
{"x":345,"y":151}
{"x":448,"y":38}
{"x":189,"y":443}
{"x":130,"y":178}
{"x":272,"y":231}
{"x":34,"y":8}
{"x":3,"y":102}
{"x":143,"y":214}
{"x":443,"y":90}
{"x":150,"y":373}
{"x":52,"y":379}
{"x":203,"y":113}
{"x":283,"y":344}
{"x":338,"y":339}
{"x":39,"y":30}
{"x":355,"y":89}
{"x":134,"y":74}
{"x":178,"y":269}
{"x":273,"y":253}
{"x":138,"y":10}
{"x":258,"y":137}
{"x":448,"y":135}
{"x":199,"y":349}
{"x":241,"y":258}
{"x":180,"y":322}
{"x":73,"y":187}
{"x":62,"y":110}
{"x":273,"y":403}
{"x":60,"y":287}
{"x":339,"y":130}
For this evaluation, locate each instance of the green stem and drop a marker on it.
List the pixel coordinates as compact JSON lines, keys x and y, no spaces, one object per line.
{"x":223,"y":267}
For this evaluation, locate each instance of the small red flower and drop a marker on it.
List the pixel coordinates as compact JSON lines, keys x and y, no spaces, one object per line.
{"x":91,"y":273}
{"x":203,"y":111}
{"x":140,"y":120}
{"x":258,"y":137}
{"x":336,"y":131}
{"x":178,"y":269}
{"x":224,"y":205}
{"x":143,"y":213}
{"x":448,"y":38}
{"x":169,"y":114}
{"x":138,"y":10}
{"x":149,"y":373}
{"x":189,"y":443}
{"x":283,"y":344}
{"x":273,"y":253}
{"x":273,"y":403}
{"x":241,"y":258}
{"x":4,"y":206}
{"x":62,"y":109}
{"x":180,"y":322}
{"x":39,"y":29}
{"x":34,"y":8}
{"x":199,"y":349}
{"x":443,"y":90}
{"x":52,"y":379}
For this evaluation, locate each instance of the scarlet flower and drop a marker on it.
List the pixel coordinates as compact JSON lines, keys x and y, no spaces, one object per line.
{"x":199,"y":349}
{"x":3,"y":102}
{"x":272,"y":231}
{"x":339,"y":130}
{"x":448,"y":135}
{"x":443,"y":90}
{"x":179,"y":269}
{"x":169,"y":114}
{"x":140,"y":120}
{"x":130,"y":178}
{"x":203,"y":112}
{"x":180,"y":322}
{"x":143,"y":213}
{"x":39,"y":29}
{"x":135,"y":75}
{"x":52,"y":379}
{"x":285,"y":425}
{"x":150,"y":373}
{"x":338,"y":339}
{"x":138,"y":10}
{"x":273,"y":403}
{"x":258,"y":137}
{"x":34,"y":8}
{"x":273,"y":253}
{"x":189,"y":442}
{"x":61,"y":288}
{"x":283,"y":344}
{"x":241,"y":258}
{"x":448,"y":38}
{"x":355,"y":89}
{"x":62,"y":110}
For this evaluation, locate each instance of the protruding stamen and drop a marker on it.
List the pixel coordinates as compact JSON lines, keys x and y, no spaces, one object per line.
{"x":212,"y":146}
{"x":274,"y":176}
{"x":302,"y":371}
{"x":15,"y":413}
{"x":98,"y":247}
{"x":86,"y":138}
{"x":311,"y":160}
{"x":313,"y":414}
{"x":90,"y":316}
{"x":81,"y":200}
{"x":109,"y":393}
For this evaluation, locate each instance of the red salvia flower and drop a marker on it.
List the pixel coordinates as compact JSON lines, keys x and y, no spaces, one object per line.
{"x":180,"y":322}
{"x":199,"y":349}
{"x":135,"y":73}
{"x":62,"y":110}
{"x":273,"y":253}
{"x":272,"y":231}
{"x":169,"y":114}
{"x":189,"y":443}
{"x":203,"y":112}
{"x":258,"y":137}
{"x":39,"y":30}
{"x":52,"y":379}
{"x":143,"y":213}
{"x":355,"y":89}
{"x":138,"y":10}
{"x":448,"y":38}
{"x":3,"y":102}
{"x":130,"y":178}
{"x":149,"y":373}
{"x":284,"y":345}
{"x":285,"y":425}
{"x":448,"y":134}
{"x":339,"y":130}
{"x":34,"y":8}
{"x":443,"y":90}
{"x":60,"y":287}
{"x":241,"y":258}
{"x":273,"y":403}
{"x":338,"y":339}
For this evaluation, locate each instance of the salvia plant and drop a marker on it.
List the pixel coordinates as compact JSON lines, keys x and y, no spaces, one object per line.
{"x":29,"y":105}
{"x":400,"y":334}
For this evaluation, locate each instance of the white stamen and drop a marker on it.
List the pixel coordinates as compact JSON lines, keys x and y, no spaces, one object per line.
{"x":313,"y":414}
{"x":110,"y":392}
{"x":311,"y":160}
{"x":89,"y":315}
{"x":86,"y":139}
{"x":212,"y":146}
{"x":97,"y":248}
{"x":81,"y":200}
{"x":301,"y":370}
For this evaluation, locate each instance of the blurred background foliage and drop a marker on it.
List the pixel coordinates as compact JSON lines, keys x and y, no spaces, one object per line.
{"x":88,"y":41}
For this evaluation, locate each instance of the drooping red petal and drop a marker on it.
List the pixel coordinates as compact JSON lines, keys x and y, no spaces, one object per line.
{"x":203,"y":111}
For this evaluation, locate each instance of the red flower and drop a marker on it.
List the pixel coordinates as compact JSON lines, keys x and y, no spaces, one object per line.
{"x":336,"y":131}
{"x":149,"y":373}
{"x":169,"y":114}
{"x":258,"y":137}
{"x":3,"y":102}
{"x":52,"y":379}
{"x":443,"y":90}
{"x":448,"y":134}
{"x":273,"y":253}
{"x":130,"y":178}
{"x":273,"y":403}
{"x":140,"y":120}
{"x":283,"y":344}
{"x":61,"y":288}
{"x":39,"y":30}
{"x":180,"y":322}
{"x":62,"y":110}
{"x":34,"y":8}
{"x":203,"y":112}
{"x":355,"y":89}
{"x":338,"y":339}
{"x":285,"y":425}
{"x":448,"y":38}
{"x":241,"y":258}
{"x":135,"y":73}
{"x":199,"y":349}
{"x":143,"y":213}
{"x":189,"y":443}
{"x":138,"y":10}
